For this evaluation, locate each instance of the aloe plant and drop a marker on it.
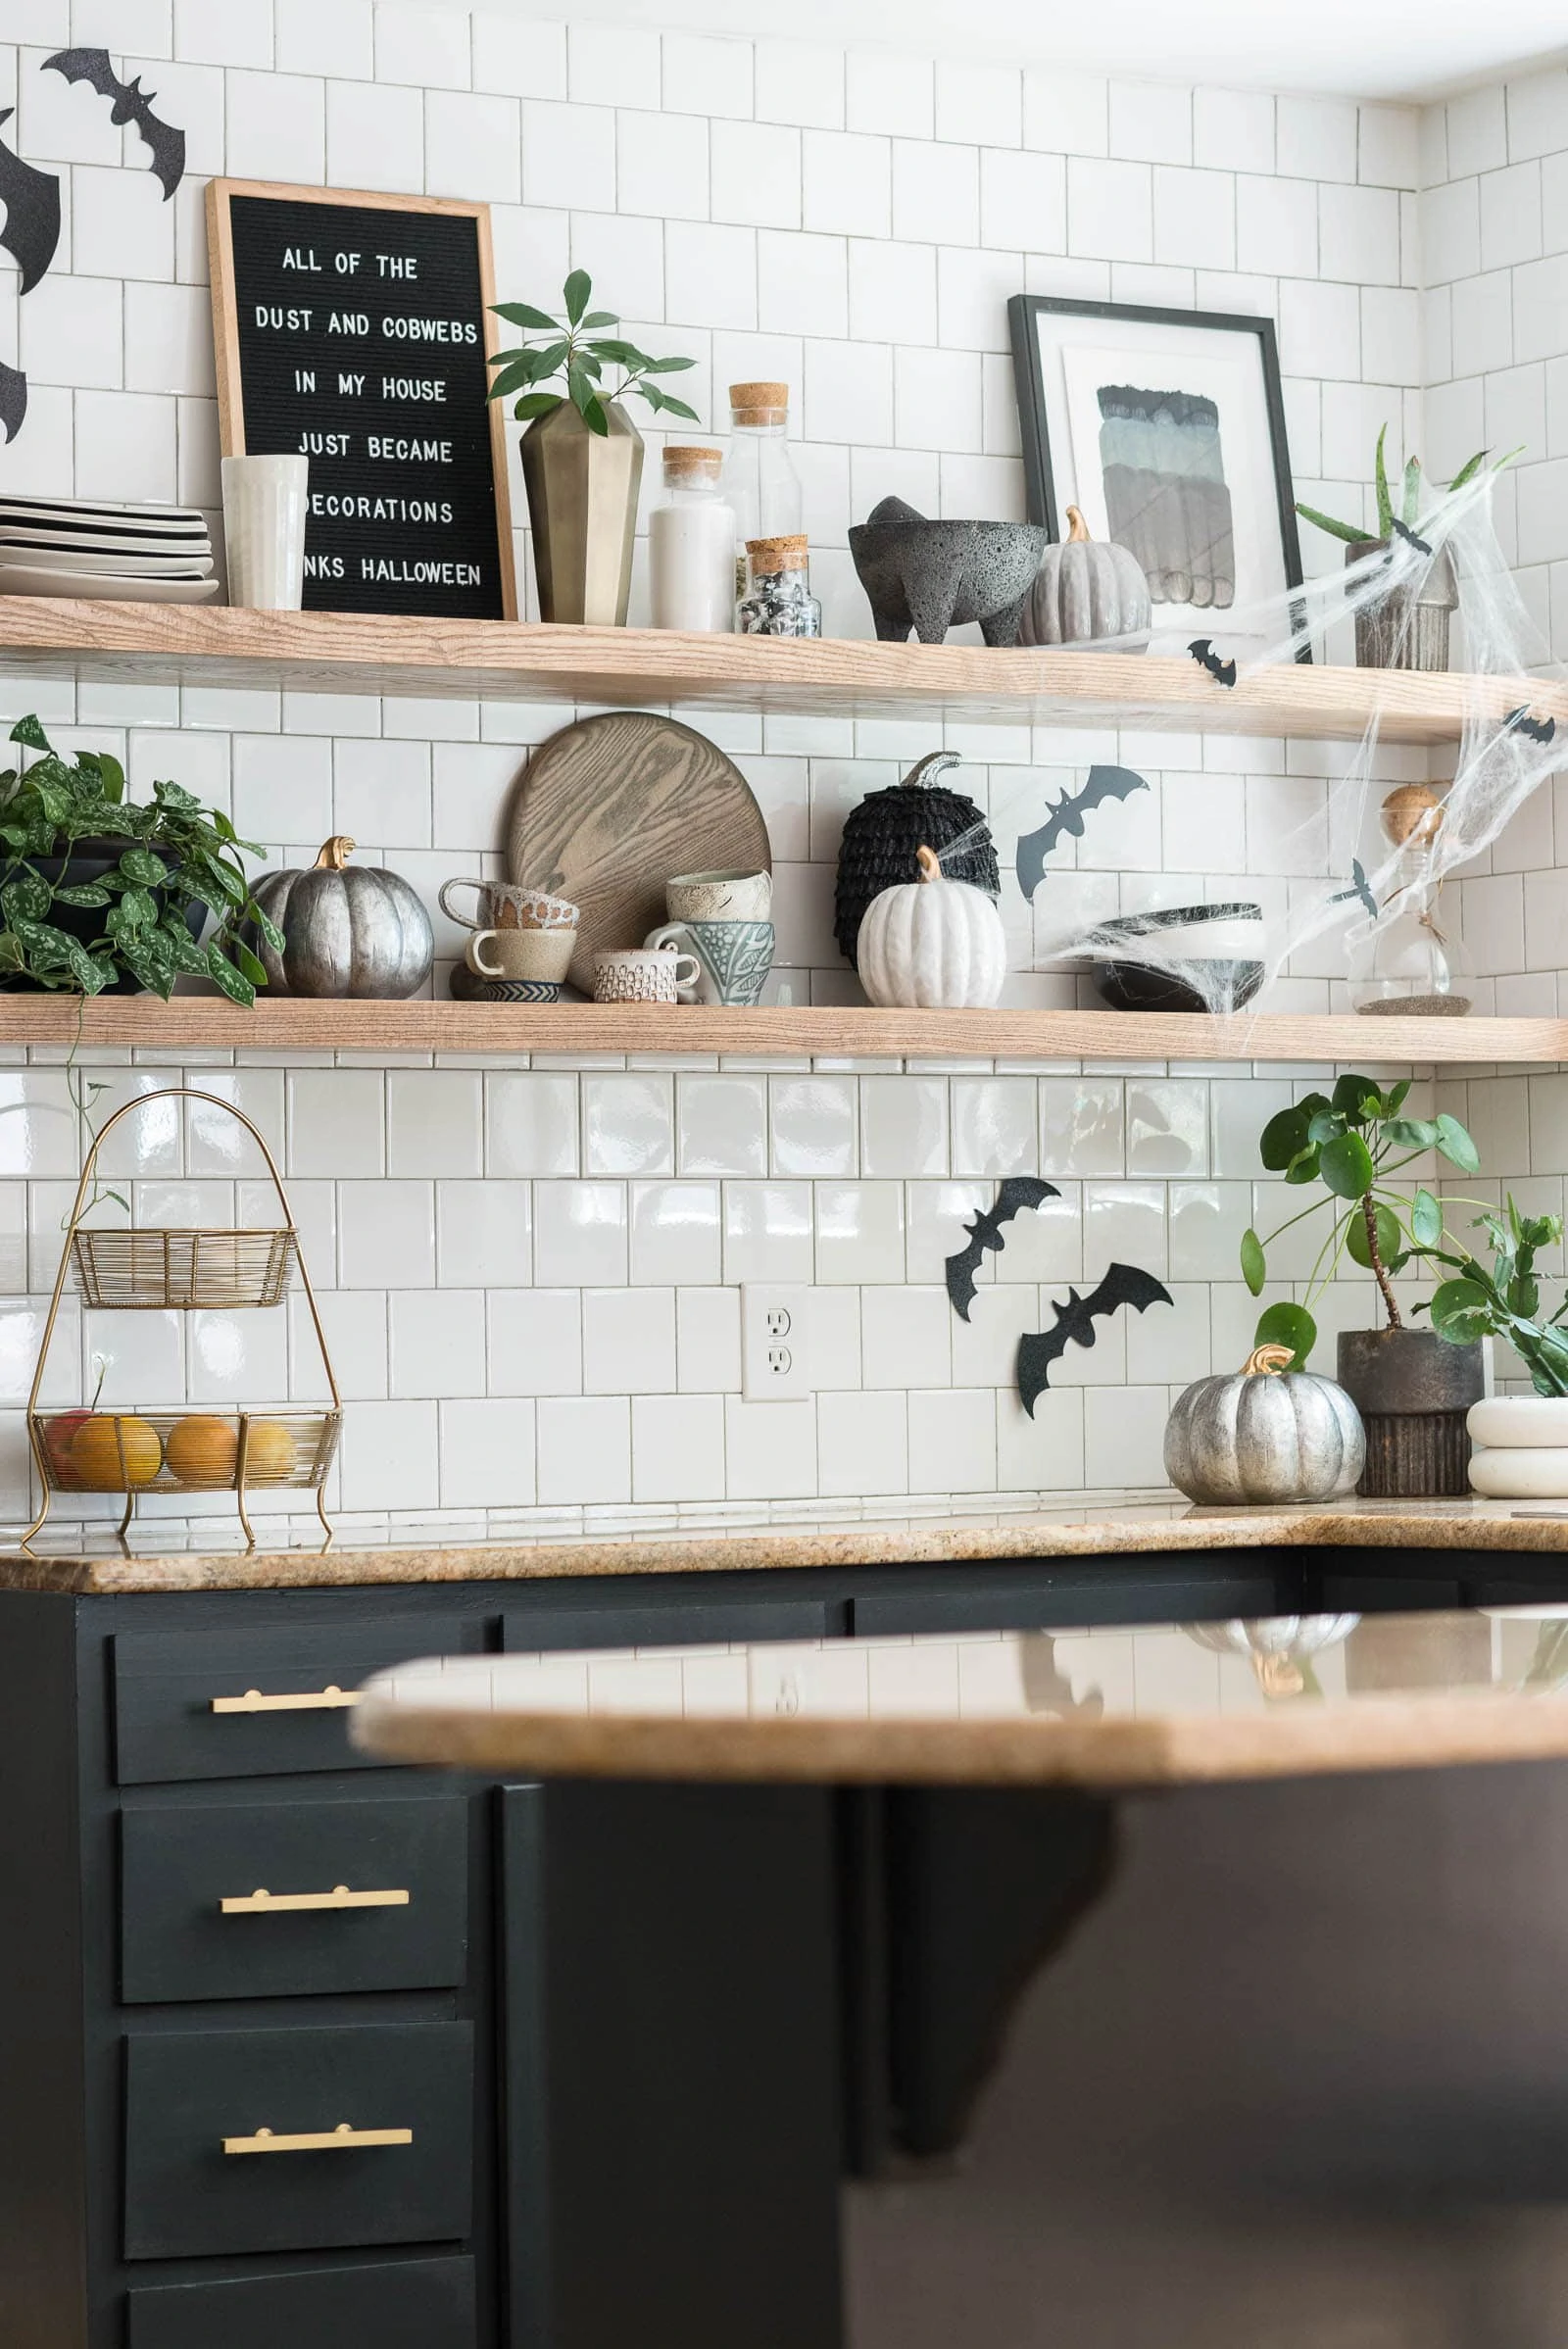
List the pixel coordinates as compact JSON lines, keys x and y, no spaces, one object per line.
{"x":578,"y":349}
{"x":1356,"y":533}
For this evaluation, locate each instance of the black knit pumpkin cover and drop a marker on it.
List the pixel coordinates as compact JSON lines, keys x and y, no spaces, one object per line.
{"x":887,"y":828}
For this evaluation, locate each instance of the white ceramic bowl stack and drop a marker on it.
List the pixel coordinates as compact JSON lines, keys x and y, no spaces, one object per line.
{"x":125,"y":554}
{"x":1521,"y":1446}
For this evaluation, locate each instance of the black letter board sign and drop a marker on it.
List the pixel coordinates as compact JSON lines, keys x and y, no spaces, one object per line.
{"x":353,"y":329}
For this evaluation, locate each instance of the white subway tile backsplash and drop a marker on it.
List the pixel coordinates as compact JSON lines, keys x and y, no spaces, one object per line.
{"x":890,"y":92}
{"x":584,"y":1449}
{"x":374,"y":137}
{"x":799,"y":82}
{"x":437,"y":1341}
{"x":853,"y":224}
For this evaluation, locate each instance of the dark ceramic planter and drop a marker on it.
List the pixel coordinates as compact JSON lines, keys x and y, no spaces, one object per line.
{"x":1414,"y":1392}
{"x":89,"y":861}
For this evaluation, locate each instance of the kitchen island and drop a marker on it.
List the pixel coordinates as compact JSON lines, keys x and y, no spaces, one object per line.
{"x":1201,"y":1983}
{"x":221,"y":1920}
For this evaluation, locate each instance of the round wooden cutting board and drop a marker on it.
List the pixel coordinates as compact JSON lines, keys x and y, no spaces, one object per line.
{"x":609,"y":809}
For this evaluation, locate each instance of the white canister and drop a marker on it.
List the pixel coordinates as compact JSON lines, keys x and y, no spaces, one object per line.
{"x":691,"y":547}
{"x":264,"y":527}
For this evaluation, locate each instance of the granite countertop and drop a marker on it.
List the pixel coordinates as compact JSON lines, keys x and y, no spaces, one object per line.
{"x":91,"y":1559}
{"x":1110,"y":1709}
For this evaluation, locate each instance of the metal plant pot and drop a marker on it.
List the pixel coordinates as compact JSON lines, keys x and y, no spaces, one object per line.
{"x":1409,"y":627}
{"x":1413,"y":1390}
{"x":582,"y":503}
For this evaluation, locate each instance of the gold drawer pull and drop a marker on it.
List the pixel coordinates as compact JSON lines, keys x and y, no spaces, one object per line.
{"x":342,"y":2139}
{"x":263,"y":1903}
{"x":328,"y":1700}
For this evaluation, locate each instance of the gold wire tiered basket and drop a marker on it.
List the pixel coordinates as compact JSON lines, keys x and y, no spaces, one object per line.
{"x":146,"y":1271}
{"x":196,"y":1450}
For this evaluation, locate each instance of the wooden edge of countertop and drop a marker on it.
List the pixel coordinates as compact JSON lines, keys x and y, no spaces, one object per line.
{"x":1309,"y":1739}
{"x":720,"y":1549}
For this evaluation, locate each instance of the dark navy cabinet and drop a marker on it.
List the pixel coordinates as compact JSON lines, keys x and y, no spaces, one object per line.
{"x":299,"y":2051}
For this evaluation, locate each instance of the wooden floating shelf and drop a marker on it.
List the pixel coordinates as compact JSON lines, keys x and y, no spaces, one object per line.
{"x":316,"y":651}
{"x":207,"y":1022}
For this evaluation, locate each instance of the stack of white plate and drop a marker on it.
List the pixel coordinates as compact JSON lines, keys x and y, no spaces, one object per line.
{"x":78,"y":547}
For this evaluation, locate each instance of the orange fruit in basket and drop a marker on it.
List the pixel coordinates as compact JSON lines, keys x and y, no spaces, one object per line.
{"x":109,"y":1452}
{"x":272,"y":1453}
{"x":203,"y":1450}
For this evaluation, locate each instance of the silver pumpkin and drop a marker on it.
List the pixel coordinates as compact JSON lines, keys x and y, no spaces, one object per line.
{"x":348,"y":930}
{"x":1086,"y":592}
{"x":1262,"y":1438}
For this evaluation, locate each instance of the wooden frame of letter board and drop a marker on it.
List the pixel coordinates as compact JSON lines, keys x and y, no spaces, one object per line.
{"x":225,"y":322}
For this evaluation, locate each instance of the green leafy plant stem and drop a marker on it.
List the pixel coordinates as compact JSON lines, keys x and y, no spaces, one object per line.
{"x":164,"y":860}
{"x":577,"y":349}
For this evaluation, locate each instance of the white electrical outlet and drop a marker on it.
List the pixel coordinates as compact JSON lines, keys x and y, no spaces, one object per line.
{"x":775,"y":1343}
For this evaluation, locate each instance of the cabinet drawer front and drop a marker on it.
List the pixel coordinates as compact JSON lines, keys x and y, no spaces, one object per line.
{"x":420,"y":2304}
{"x":664,"y":1622}
{"x":395,"y":1866}
{"x":166,"y":1686}
{"x":188,"y":2092}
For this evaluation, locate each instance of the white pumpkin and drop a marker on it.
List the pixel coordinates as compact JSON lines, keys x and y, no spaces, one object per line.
{"x":932,"y":944}
{"x":1262,"y":1436}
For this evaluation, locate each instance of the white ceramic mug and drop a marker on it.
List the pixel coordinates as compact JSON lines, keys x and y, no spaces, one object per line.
{"x":635,"y":974}
{"x":720,"y":897}
{"x":264,"y":530}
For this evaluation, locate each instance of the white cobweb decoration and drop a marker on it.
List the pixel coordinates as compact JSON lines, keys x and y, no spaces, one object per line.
{"x":1507,"y":749}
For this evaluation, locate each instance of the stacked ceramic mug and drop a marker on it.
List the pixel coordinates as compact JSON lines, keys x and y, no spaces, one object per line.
{"x":1521,"y":1446}
{"x":521,"y":945}
{"x":722,"y":921}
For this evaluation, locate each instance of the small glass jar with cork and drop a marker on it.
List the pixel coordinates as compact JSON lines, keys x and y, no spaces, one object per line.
{"x":759,"y":477}
{"x":778,"y":599}
{"x":691,"y":543}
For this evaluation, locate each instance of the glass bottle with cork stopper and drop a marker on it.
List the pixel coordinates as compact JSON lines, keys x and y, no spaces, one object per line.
{"x":691,"y":546}
{"x":778,"y":599}
{"x":760,"y":478}
{"x":1411,"y":959}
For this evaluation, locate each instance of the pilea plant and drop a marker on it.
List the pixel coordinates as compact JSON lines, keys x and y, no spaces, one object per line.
{"x":1353,"y":1142}
{"x":578,"y":349}
{"x":175,"y":859}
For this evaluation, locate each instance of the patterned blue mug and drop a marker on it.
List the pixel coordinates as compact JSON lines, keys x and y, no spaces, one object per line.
{"x":736,"y":957}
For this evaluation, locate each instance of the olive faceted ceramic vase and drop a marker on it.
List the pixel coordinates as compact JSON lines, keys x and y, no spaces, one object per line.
{"x":582,"y":507}
{"x":1414,"y":1392}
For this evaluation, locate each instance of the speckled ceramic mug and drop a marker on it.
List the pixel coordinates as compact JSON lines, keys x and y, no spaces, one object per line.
{"x":720,"y":897}
{"x":508,"y":905}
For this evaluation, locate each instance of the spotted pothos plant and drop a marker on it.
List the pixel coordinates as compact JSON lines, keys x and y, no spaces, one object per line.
{"x":175,"y":857}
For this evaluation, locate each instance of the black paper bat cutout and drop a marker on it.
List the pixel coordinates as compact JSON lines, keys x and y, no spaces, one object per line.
{"x":985,"y":1233}
{"x":1360,"y":887}
{"x":31,"y":199}
{"x":13,"y":400}
{"x":132,"y":104}
{"x":1410,"y":539}
{"x":1066,"y":815}
{"x":1074,"y":1325}
{"x":1203,"y":652}
{"x":1534,"y":729}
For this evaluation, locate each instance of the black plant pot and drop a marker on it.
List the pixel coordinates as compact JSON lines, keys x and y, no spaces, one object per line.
{"x":1414,"y":1392}
{"x":89,"y":861}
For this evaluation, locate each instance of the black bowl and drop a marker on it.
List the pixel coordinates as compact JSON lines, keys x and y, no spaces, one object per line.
{"x":1177,"y":981}
{"x":89,"y":861}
